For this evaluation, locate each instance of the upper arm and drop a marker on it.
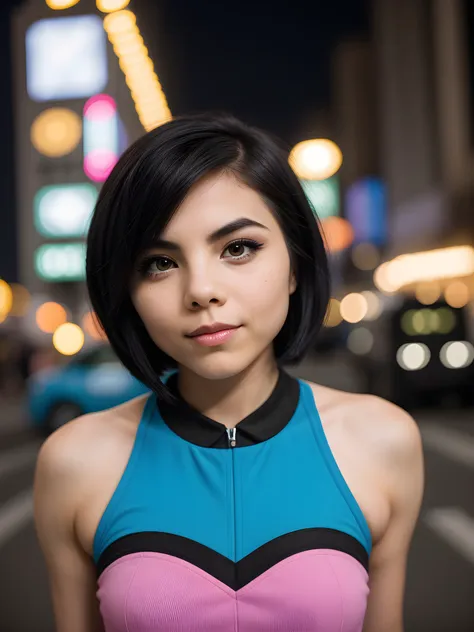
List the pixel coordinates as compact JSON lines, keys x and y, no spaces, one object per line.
{"x":403,"y":474}
{"x":71,"y":572}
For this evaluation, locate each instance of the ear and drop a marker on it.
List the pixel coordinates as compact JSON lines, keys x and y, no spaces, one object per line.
{"x":293,"y":284}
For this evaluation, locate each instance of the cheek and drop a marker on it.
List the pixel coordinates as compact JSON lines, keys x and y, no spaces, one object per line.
{"x":266,"y":291}
{"x":155,"y":308}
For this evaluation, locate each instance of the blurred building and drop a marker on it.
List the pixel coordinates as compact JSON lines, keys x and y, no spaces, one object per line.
{"x":404,"y":106}
{"x":424,"y":78}
{"x":357,"y":122}
{"x":355,"y":109}
{"x":85,"y":88}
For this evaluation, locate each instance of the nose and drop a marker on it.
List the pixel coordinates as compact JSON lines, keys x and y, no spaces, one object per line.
{"x":202,"y":290}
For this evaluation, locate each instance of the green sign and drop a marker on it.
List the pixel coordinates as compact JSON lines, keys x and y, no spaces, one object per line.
{"x":61,"y":262}
{"x":323,"y":195}
{"x":64,"y":210}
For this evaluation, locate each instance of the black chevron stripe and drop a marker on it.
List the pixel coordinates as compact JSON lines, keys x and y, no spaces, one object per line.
{"x":233,"y":574}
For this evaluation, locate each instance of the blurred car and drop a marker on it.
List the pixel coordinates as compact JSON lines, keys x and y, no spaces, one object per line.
{"x":93,"y":380}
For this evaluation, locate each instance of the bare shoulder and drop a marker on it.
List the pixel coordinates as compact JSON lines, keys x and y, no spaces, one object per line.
{"x":379,"y":424}
{"x":74,"y":455}
{"x":76,"y":443}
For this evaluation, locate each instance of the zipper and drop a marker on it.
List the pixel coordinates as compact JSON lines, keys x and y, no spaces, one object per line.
{"x":232,"y":437}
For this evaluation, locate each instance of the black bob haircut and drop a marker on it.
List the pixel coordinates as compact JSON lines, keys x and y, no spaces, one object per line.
{"x":147,"y":186}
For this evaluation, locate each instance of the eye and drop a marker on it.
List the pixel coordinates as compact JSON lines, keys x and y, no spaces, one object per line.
{"x":156,"y":266}
{"x":237,"y":249}
{"x":241,"y":249}
{"x":162,"y":264}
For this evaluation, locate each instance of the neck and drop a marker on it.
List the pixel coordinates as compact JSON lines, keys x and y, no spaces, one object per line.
{"x":231,"y":399}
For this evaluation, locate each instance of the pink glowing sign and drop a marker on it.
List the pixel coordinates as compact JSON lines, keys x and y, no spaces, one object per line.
{"x":99,"y":163}
{"x":100,"y":107}
{"x":101,"y":137}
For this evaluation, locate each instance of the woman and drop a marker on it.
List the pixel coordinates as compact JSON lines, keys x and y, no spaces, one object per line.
{"x":233,"y":497}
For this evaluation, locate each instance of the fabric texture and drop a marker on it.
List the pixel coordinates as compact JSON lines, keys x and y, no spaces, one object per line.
{"x":263,"y":536}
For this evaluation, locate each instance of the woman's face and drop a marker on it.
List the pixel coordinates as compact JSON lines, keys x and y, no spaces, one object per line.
{"x":221,"y":259}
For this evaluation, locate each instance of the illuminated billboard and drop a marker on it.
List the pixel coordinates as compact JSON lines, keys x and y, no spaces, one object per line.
{"x":366,"y":209}
{"x":323,"y":196}
{"x":66,"y":58}
{"x":56,"y":132}
{"x":61,"y":262}
{"x":64,"y":210}
{"x":101,"y":137}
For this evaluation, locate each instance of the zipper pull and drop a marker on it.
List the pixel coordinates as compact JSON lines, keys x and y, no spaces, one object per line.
{"x":231,"y":434}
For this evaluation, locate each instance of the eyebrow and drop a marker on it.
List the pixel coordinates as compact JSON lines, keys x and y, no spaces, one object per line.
{"x":227,"y":229}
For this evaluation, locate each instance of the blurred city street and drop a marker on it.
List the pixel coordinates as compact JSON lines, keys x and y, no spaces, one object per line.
{"x":441,"y":564}
{"x":373,"y":105}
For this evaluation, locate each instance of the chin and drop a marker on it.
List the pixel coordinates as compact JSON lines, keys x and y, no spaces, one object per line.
{"x":219,"y":366}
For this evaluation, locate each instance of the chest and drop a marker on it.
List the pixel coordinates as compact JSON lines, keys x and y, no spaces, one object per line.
{"x":309,"y":591}
{"x":225,"y":539}
{"x":236,"y":499}
{"x":360,"y":479}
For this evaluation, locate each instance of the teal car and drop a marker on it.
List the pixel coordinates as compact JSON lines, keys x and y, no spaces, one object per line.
{"x":93,"y":380}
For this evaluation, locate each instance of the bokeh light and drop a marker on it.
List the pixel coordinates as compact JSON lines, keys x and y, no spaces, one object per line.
{"x":382,"y":280}
{"x":100,"y":107}
{"x":145,"y":87}
{"x":456,"y":294}
{"x":64,"y":210}
{"x":457,"y":354}
{"x":354,"y":308}
{"x":6,"y":300}
{"x":101,"y":137}
{"x":374,"y":305}
{"x":120,"y":23}
{"x":428,"y":321}
{"x":413,"y":356}
{"x":432,"y":265}
{"x":59,"y":5}
{"x":107,"y":6}
{"x":337,"y":232}
{"x":333,"y":313}
{"x":406,"y":323}
{"x":360,"y":341}
{"x":315,"y":159}
{"x":99,"y":163}
{"x":428,"y":292}
{"x":56,"y":132}
{"x":447,"y":320}
{"x":68,"y":339}
{"x":61,"y":262}
{"x":50,"y":316}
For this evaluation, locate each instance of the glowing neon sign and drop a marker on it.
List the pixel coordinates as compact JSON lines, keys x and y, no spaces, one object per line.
{"x":101,"y":137}
{"x":66,"y":58}
{"x":323,"y":196}
{"x":61,"y":262}
{"x":64,"y":210}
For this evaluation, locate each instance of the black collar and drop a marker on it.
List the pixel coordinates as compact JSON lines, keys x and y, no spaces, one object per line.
{"x":265,"y":422}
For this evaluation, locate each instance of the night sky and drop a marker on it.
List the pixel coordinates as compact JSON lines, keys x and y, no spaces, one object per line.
{"x":266,"y":62}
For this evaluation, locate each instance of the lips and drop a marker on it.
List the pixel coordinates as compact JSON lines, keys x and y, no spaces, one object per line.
{"x":210,"y":329}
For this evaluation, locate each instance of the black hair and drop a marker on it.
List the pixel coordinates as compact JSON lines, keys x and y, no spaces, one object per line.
{"x":143,"y":191}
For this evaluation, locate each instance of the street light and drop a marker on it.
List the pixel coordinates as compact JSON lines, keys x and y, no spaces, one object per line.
{"x":109,"y":6}
{"x":59,"y":5}
{"x":6,"y":300}
{"x":315,"y":159}
{"x":56,"y":132}
{"x":68,"y":339}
